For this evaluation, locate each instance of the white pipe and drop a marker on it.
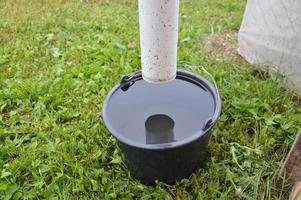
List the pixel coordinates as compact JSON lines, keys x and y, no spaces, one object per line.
{"x":158,"y":39}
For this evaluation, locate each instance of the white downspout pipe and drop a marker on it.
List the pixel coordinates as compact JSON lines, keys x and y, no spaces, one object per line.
{"x":158,"y":21}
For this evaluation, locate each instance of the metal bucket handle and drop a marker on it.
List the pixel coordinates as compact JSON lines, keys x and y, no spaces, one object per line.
{"x":128,"y":81}
{"x":216,"y":115}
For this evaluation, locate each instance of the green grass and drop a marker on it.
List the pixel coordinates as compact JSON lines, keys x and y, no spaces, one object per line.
{"x":59,"y":59}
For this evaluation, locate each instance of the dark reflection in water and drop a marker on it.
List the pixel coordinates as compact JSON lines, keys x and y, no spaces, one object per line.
{"x":159,"y":129}
{"x":160,"y":113}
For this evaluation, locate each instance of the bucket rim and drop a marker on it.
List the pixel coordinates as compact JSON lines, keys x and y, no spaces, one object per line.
{"x":189,"y":75}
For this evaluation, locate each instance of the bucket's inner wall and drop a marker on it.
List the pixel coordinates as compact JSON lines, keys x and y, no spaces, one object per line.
{"x":181,"y":103}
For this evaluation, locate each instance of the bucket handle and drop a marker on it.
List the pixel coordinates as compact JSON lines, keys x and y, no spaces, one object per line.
{"x":216,"y":115}
{"x":128,"y":81}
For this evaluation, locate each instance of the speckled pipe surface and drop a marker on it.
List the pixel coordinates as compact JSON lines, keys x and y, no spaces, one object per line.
{"x":158,"y":39}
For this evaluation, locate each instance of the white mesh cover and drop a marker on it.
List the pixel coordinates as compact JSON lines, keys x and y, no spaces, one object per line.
{"x":270,"y":34}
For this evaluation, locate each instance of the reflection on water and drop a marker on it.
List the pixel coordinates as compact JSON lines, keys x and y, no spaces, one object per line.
{"x":142,"y":112}
{"x":159,"y":129}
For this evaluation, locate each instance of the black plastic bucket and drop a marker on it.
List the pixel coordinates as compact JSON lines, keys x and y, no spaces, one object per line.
{"x":162,"y":129}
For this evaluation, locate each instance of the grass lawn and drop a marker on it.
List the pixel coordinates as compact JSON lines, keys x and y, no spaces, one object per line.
{"x":59,"y":59}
